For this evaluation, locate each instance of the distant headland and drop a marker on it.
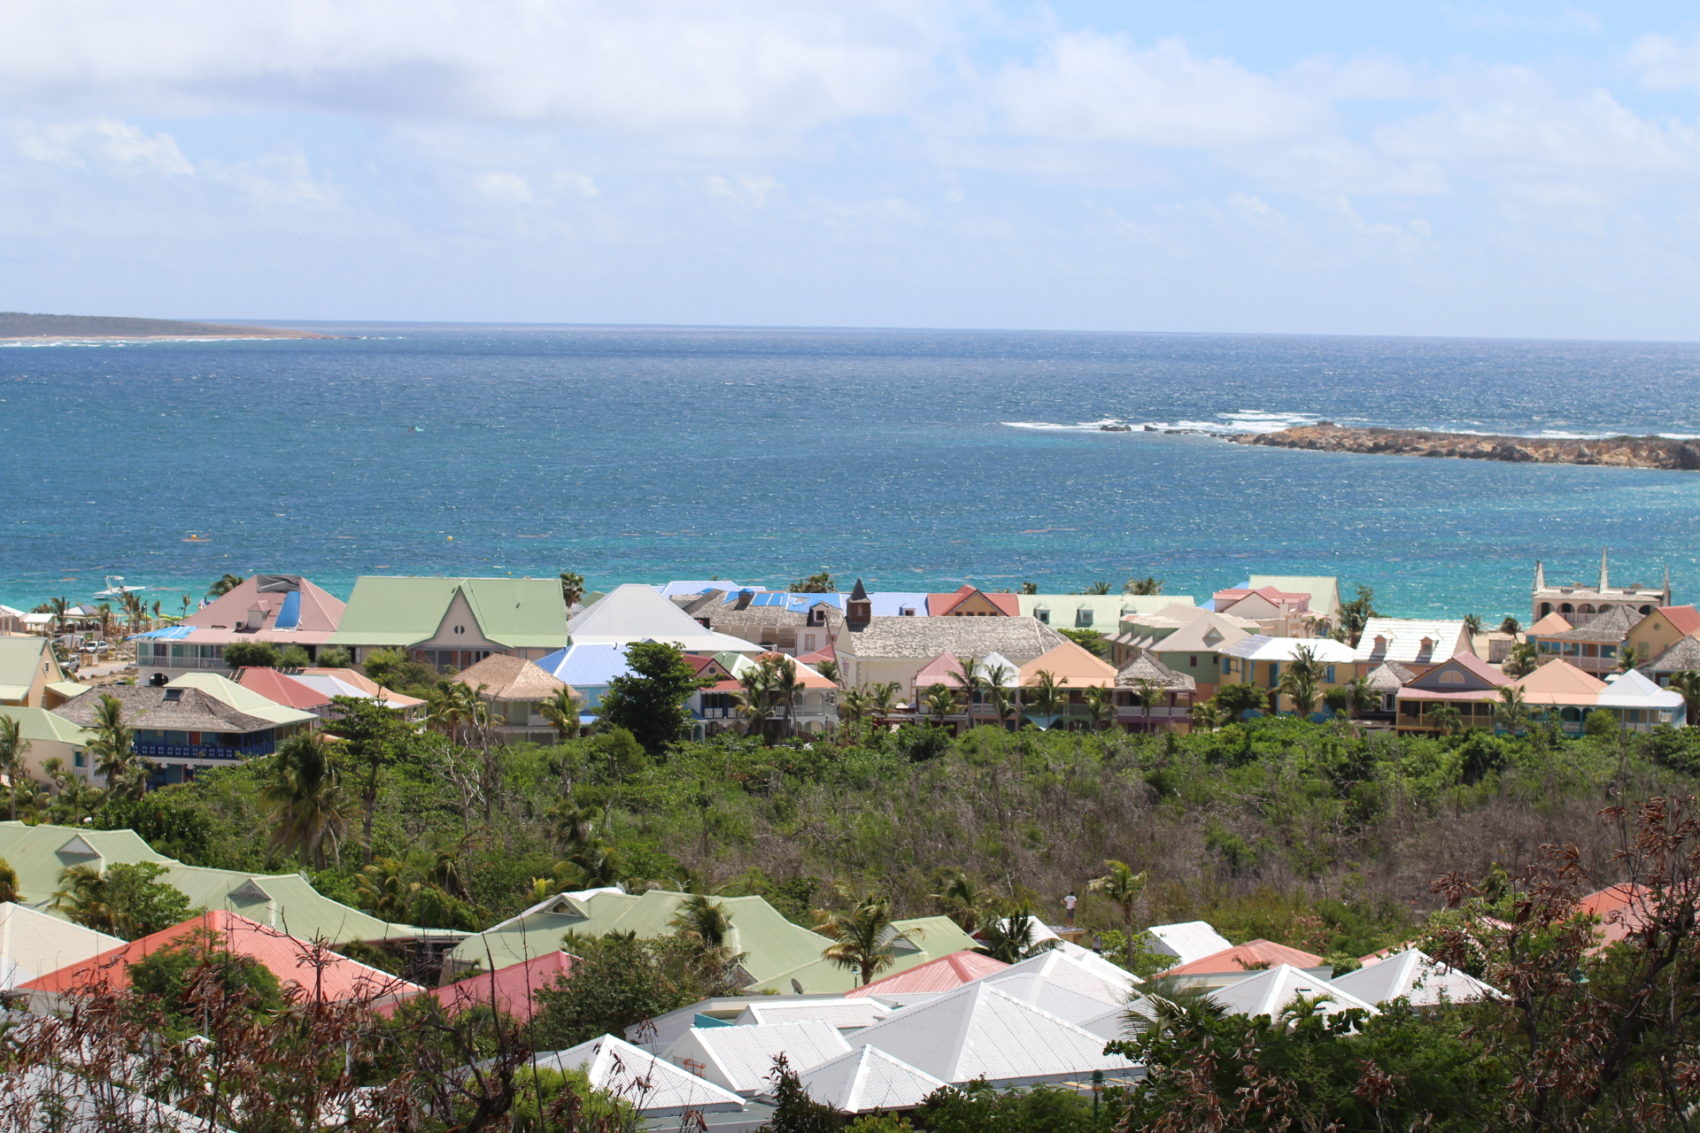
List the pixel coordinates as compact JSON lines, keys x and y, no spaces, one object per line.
{"x":16,"y":324}
{"x":1618,"y":452}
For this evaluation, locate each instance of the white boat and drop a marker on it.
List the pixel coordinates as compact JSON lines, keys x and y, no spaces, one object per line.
{"x":112,"y":591}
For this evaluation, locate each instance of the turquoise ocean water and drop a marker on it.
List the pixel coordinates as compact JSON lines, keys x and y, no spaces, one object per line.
{"x":913,"y":459}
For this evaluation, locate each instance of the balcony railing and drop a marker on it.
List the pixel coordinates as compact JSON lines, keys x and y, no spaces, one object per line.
{"x":217,"y":752}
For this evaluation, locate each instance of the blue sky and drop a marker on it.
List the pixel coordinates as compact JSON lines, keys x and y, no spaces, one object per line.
{"x":1510,"y":169}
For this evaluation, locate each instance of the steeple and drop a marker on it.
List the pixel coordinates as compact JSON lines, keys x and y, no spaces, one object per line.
{"x":1604,"y":583}
{"x":1667,"y":584}
{"x":1540,"y":576}
{"x":859,"y":609}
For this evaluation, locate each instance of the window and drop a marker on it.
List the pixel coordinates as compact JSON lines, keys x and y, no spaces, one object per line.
{"x":1083,"y":618}
{"x":1328,"y":675}
{"x":1043,"y":615}
{"x":1451,"y":677}
{"x":1192,"y":661}
{"x":460,"y":629}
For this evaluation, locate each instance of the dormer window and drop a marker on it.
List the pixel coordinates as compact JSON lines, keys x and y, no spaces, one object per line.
{"x":173,"y":695}
{"x":1380,"y":646}
{"x":1043,"y":614}
{"x":1452,"y":677}
{"x":1083,"y":618}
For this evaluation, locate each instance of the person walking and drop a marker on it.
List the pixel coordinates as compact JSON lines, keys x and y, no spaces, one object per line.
{"x":1068,"y":905}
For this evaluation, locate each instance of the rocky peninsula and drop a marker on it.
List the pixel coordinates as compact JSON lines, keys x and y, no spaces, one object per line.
{"x":19,"y":325}
{"x":1616,"y":452}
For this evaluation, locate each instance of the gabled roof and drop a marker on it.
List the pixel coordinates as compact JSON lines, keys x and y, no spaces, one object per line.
{"x":586,"y":666}
{"x":1465,"y":675}
{"x":844,"y":1013}
{"x":283,"y":689}
{"x":944,"y":974}
{"x":1203,"y":632}
{"x":634,"y":612}
{"x":1324,"y":589}
{"x":32,"y":944}
{"x":505,"y":677}
{"x":1272,"y":992}
{"x":1251,"y":955}
{"x":1613,"y":625}
{"x":1411,"y":640}
{"x":510,"y":990}
{"x":352,"y":682}
{"x":969,"y":597}
{"x":1622,"y":909}
{"x":944,"y":670}
{"x":1415,"y":976}
{"x":291,"y":609}
{"x":38,"y":724}
{"x":1187,"y":940}
{"x":1633,"y":690}
{"x":868,"y":1078}
{"x":1684,"y":619}
{"x":150,"y":707}
{"x":21,"y":658}
{"x":741,"y":1058}
{"x":1261,"y":647}
{"x":1389,"y":676}
{"x":1146,"y":669}
{"x":993,"y":663}
{"x":655,"y":1088}
{"x":243,"y":700}
{"x":1560,"y":682}
{"x":1554,"y":622}
{"x":1072,"y":666}
{"x":925,"y":638}
{"x":981,"y":1031}
{"x":318,"y":973}
{"x":521,"y":613}
{"x":1682,"y":656}
{"x":1078,"y":971}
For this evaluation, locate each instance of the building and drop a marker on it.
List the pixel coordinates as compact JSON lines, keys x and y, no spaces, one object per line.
{"x":453,"y":623}
{"x":50,"y":737}
{"x":1072,"y":671}
{"x":1183,"y":639}
{"x":1594,"y":644}
{"x":633,"y":613}
{"x":1262,"y":662}
{"x":1324,"y":591}
{"x":31,"y":676}
{"x":1102,"y":612}
{"x":1171,"y":696}
{"x":1415,"y":644}
{"x":1578,"y":602}
{"x":1278,"y":613}
{"x":776,"y":620}
{"x":1466,"y":682}
{"x":277,"y":609}
{"x":1657,"y":632}
{"x":971,"y":602}
{"x":516,"y":690}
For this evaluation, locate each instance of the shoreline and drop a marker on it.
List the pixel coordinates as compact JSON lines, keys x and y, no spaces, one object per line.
{"x":1646,"y":452}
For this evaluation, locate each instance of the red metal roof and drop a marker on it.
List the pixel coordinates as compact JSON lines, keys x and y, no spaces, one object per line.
{"x":510,"y":990}
{"x":943,"y":974}
{"x":1248,"y":956}
{"x":940,"y":605}
{"x":1686,"y":619}
{"x":278,"y":687}
{"x":314,"y":972}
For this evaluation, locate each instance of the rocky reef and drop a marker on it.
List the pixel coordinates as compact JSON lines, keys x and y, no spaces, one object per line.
{"x":1616,"y":452}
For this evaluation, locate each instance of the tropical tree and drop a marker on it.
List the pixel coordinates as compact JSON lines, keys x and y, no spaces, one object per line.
{"x":829,"y":670}
{"x":941,"y":702}
{"x":1687,"y":683}
{"x":756,"y":698}
{"x":572,"y":588}
{"x":373,"y":739}
{"x":820,"y":583}
{"x":383,"y":889}
{"x":702,"y":921}
{"x":252,"y":655}
{"x":861,"y":937}
{"x":1445,"y":719}
{"x":1099,"y":587}
{"x":561,"y":709}
{"x":1302,"y":679}
{"x":649,"y":699}
{"x":1100,"y":706}
{"x":1207,"y":716}
{"x":1232,"y":701}
{"x":1124,"y":886}
{"x":1147,"y":695}
{"x":61,"y":608}
{"x":1029,"y":588}
{"x":225,"y":584}
{"x":1511,"y":714}
{"x":305,"y":795}
{"x":1472,"y":624}
{"x":107,"y":620}
{"x":1510,"y":625}
{"x":1012,"y":938}
{"x":1143,"y":586}
{"x":9,"y":882}
{"x":783,"y":686}
{"x":127,"y":899}
{"x":853,"y":705}
{"x":1634,"y":656}
{"x":135,"y":613}
{"x":450,"y":707}
{"x":1354,"y":614}
{"x":114,"y":753}
{"x":1047,"y":697}
{"x":882,"y":698}
{"x":13,"y":748}
{"x":1524,"y":659}
{"x":962,"y":903}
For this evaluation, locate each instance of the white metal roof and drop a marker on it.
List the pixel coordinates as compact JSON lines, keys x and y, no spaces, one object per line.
{"x":980,"y":1031}
{"x":868,"y":1078}
{"x":1633,"y":690}
{"x":33,"y":944}
{"x":1273,"y":990}
{"x":741,"y":1058}
{"x":1085,"y":974}
{"x":652,"y":1086}
{"x":1186,"y":941}
{"x":1262,"y":648}
{"x":635,"y":612}
{"x":845,"y":1014}
{"x":1415,"y":975}
{"x":1403,"y":640}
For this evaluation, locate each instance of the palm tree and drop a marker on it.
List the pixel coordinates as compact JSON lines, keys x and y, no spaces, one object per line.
{"x":862,"y":937}
{"x":1511,"y":714}
{"x":1122,"y":885}
{"x":1634,"y":656}
{"x":941,"y":702}
{"x":962,"y":903}
{"x":829,"y":670}
{"x":451,"y":708}
{"x":134,"y":612}
{"x":9,"y":882}
{"x":13,"y":747}
{"x":1510,"y":625}
{"x":83,"y":897}
{"x":1100,"y":704}
{"x":757,"y":697}
{"x":306,"y":800}
{"x":1524,"y":660}
{"x":572,"y":588}
{"x":1097,"y":588}
{"x":561,"y":709}
{"x":784,"y":685}
{"x":1472,"y":624}
{"x":1143,"y":586}
{"x":225,"y":584}
{"x":1147,"y":694}
{"x":1010,"y":938}
{"x":853,"y":705}
{"x":107,"y":620}
{"x":1445,"y":719}
{"x":1206,"y":715}
{"x":114,"y":752}
{"x":61,"y":607}
{"x":1301,"y":680}
{"x":883,"y":698}
{"x":383,"y":890}
{"x":1687,"y":683}
{"x":1047,"y":696}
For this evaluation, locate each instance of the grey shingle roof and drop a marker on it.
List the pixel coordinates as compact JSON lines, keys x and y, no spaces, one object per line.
{"x":1681,"y":657}
{"x":163,"y":709}
{"x":1146,"y":669}
{"x":1389,"y":676}
{"x":1613,"y":625}
{"x":1018,"y":639}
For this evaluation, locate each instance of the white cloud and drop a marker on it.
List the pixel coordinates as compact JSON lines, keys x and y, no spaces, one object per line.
{"x":509,"y":188}
{"x":751,"y":192}
{"x":636,"y":64}
{"x":284,"y":177}
{"x":1667,"y":63}
{"x":583,"y":184}
{"x":1091,"y":87}
{"x":102,"y":143}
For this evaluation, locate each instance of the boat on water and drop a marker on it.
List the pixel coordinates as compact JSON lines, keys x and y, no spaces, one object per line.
{"x":116,"y":591}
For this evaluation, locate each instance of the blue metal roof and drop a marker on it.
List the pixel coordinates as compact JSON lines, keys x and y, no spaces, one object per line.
{"x":166,"y":633}
{"x":289,"y":616}
{"x":586,"y":666}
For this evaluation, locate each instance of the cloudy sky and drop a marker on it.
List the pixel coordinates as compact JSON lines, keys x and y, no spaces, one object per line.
{"x":1420,"y":167}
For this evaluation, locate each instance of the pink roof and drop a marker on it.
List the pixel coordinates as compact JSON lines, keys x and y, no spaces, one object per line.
{"x":315,"y":973}
{"x":1554,"y":622}
{"x":824,"y":653}
{"x":277,"y":686}
{"x":1248,"y":956}
{"x":369,"y":686}
{"x":1685,"y":619}
{"x":943,"y":974}
{"x":1072,"y":665}
{"x":510,"y":990}
{"x":944,"y":669}
{"x":1222,"y":599}
{"x":1560,"y":682}
{"x":940,"y":605}
{"x":1423,"y":687}
{"x":806,"y":676}
{"x":320,"y":611}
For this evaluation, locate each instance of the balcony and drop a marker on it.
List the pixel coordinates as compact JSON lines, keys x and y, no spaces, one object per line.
{"x":208,"y":753}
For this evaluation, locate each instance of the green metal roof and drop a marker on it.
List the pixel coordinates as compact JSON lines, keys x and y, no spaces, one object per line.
{"x":40,"y":854}
{"x":20,"y":659}
{"x":244,"y":700}
{"x":40,"y":724}
{"x":520,"y":613}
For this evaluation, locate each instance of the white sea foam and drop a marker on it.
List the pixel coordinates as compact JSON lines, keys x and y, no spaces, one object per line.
{"x":1223,"y":424}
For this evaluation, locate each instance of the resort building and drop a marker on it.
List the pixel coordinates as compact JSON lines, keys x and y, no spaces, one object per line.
{"x":1557,"y":691}
{"x":278,"y":609}
{"x":1184,"y":639}
{"x":1683,"y":657}
{"x":515,"y":690}
{"x":634,"y":612}
{"x":1655,"y":633}
{"x":1072,"y":670}
{"x":1277,"y":613}
{"x":1262,"y":661}
{"x":1594,"y":644}
{"x":970,"y":602}
{"x":1417,"y":645}
{"x":50,"y":737}
{"x":1324,"y":591}
{"x":1102,"y":612}
{"x":1578,"y":602}
{"x":775,"y":620}
{"x":453,"y":623}
{"x":31,"y":676}
{"x":1150,"y":696}
{"x":1465,"y":682}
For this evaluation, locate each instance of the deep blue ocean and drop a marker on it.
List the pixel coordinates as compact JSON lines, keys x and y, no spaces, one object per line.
{"x":913,"y":459}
